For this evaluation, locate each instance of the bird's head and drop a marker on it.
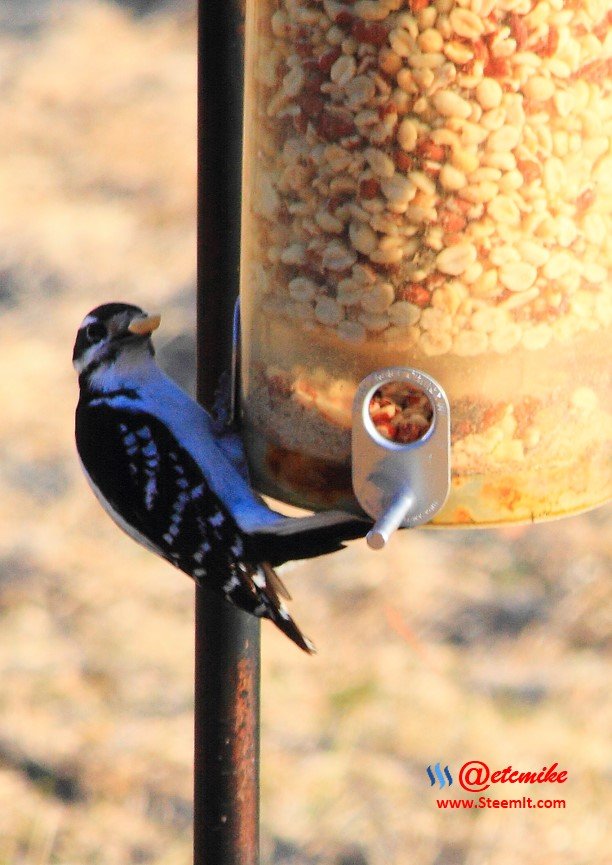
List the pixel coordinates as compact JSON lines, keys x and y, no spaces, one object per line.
{"x":113,"y":337}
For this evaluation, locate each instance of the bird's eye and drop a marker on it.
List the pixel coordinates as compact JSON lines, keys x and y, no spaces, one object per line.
{"x":95,"y":332}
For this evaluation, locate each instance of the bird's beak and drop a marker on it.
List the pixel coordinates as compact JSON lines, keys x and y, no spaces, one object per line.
{"x":144,"y":326}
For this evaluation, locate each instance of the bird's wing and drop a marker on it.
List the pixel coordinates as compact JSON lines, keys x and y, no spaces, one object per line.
{"x":156,"y":492}
{"x":219,"y":456}
{"x":155,"y":485}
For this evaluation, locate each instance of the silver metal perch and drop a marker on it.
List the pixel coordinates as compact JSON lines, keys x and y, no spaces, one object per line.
{"x":400,"y":485}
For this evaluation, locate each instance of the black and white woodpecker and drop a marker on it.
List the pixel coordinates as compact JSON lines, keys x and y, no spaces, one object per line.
{"x":159,"y":465}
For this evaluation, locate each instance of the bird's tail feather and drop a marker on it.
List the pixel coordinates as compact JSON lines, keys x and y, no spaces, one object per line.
{"x":269,"y":589}
{"x":293,"y":538}
{"x":286,"y":624}
{"x":274,"y":582}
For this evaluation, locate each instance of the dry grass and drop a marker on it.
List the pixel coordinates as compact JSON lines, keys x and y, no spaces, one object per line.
{"x":449,"y":646}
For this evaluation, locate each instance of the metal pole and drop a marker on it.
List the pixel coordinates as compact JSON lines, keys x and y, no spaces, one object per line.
{"x":226,"y":753}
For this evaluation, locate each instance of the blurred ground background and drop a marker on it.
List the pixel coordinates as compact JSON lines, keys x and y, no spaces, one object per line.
{"x":447,"y":647}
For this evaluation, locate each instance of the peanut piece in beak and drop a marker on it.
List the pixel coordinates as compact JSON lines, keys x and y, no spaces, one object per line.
{"x":143,"y":326}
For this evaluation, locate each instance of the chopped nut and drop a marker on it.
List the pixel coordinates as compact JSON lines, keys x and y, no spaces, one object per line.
{"x":436,"y":319}
{"x":450,"y":104}
{"x":401,"y":42}
{"x":494,"y":119}
{"x":343,"y":69}
{"x":371,"y":10}
{"x":280,"y":23}
{"x":480,"y":193}
{"x":504,"y":209}
{"x":505,"y":138}
{"x":451,"y":178}
{"x":425,"y":63}
{"x":389,"y":62}
{"x":465,"y":160}
{"x":359,"y":91}
{"x":302,"y":289}
{"x":294,"y":254}
{"x":375,"y":322}
{"x":423,"y":182}
{"x":338,"y":257}
{"x":517,"y":275}
{"x":458,"y":52}
{"x":362,"y":237}
{"x":328,"y":311}
{"x":489,"y":93}
{"x":379,"y":298}
{"x":430,"y":40}
{"x":328,"y":222}
{"x":399,"y":189}
{"x":434,"y":343}
{"x":407,"y":135}
{"x":404,"y":314}
{"x":466,"y":23}
{"x":456,"y":259}
{"x":349,"y":292}
{"x":379,"y":162}
{"x":294,"y":81}
{"x":538,"y":88}
{"x":387,"y":255}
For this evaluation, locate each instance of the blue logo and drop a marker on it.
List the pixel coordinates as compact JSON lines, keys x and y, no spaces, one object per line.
{"x":439,"y":775}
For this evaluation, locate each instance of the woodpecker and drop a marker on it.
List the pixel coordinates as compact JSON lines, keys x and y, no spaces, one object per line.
{"x":163,"y":470}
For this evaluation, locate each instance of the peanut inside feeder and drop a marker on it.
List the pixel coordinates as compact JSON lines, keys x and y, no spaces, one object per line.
{"x":401,"y":412}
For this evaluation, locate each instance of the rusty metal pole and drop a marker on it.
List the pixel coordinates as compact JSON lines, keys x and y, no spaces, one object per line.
{"x":226,"y":753}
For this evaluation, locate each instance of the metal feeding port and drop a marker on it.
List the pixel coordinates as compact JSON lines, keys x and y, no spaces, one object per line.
{"x":400,"y":449}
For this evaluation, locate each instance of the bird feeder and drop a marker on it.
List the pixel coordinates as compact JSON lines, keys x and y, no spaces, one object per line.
{"x":426,"y":190}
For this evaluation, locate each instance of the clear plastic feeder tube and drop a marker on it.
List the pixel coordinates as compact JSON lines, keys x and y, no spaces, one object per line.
{"x":428,"y":185}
